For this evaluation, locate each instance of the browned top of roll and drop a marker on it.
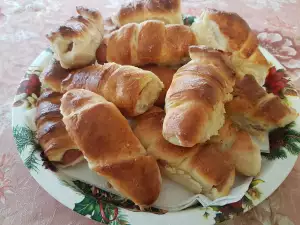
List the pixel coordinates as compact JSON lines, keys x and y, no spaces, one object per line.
{"x":267,"y":106}
{"x":206,"y":77}
{"x":150,"y":42}
{"x":75,"y":26}
{"x":165,"y":74}
{"x":54,"y":75}
{"x":234,"y":27}
{"x":48,"y":105}
{"x":136,"y":6}
{"x":93,"y":121}
{"x":211,"y":164}
{"x":122,"y":85}
{"x":149,"y":131}
{"x":51,"y":131}
{"x":109,"y":145}
{"x":248,"y":88}
{"x":119,"y":44}
{"x":141,"y":10}
{"x":137,"y":178}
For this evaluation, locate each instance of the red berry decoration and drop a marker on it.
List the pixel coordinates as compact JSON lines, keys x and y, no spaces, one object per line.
{"x":237,"y":204}
{"x":31,"y":85}
{"x":276,"y":81}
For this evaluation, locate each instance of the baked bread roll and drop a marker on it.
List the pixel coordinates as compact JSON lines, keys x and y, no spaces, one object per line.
{"x":256,"y":111}
{"x":54,"y":74}
{"x":149,"y":42}
{"x":131,"y":89}
{"x":195,"y":100}
{"x":229,"y":32}
{"x":137,"y":11}
{"x":51,"y":131}
{"x":243,"y":151}
{"x":75,"y":43}
{"x":201,"y":169}
{"x":110,"y":147}
{"x":165,"y":74}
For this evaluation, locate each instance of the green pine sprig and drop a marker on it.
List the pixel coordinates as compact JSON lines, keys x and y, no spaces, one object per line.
{"x":73,"y":187}
{"x":292,"y":140}
{"x":25,"y":140}
{"x":282,"y":141}
{"x":275,"y":154}
{"x":32,"y":161}
{"x":24,"y":137}
{"x":247,"y":202}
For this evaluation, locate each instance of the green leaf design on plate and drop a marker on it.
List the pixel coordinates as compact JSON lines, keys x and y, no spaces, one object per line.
{"x":32,"y":161}
{"x":107,"y":197}
{"x":92,"y":205}
{"x":255,"y":182}
{"x":97,"y":214}
{"x":87,"y":206}
{"x":24,"y":137}
{"x":247,"y":202}
{"x":215,"y":208}
{"x":254,"y":193}
{"x":85,"y":188}
{"x":282,"y":140}
{"x":25,"y":140}
{"x":122,"y":220}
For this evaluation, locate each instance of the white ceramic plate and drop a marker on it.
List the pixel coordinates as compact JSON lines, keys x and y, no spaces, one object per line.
{"x":108,"y":208}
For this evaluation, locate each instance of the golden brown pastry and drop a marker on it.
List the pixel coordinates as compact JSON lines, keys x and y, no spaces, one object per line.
{"x":75,"y":43}
{"x":51,"y":131}
{"x":54,"y":74}
{"x":195,"y":100}
{"x":149,"y":42}
{"x":131,"y":89}
{"x":201,"y":169}
{"x":256,"y":111}
{"x":110,"y":147}
{"x":165,"y":74}
{"x":137,"y":11}
{"x":229,"y":32}
{"x":239,"y":145}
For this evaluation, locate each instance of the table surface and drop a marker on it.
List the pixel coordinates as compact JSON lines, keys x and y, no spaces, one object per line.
{"x":24,"y":24}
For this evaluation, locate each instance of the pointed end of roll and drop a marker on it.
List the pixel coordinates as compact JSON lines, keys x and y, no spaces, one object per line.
{"x":199,"y":51}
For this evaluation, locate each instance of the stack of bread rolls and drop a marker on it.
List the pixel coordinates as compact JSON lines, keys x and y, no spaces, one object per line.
{"x":201,"y":75}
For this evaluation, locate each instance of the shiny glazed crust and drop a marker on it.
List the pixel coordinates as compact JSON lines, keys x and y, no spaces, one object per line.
{"x":110,"y":147}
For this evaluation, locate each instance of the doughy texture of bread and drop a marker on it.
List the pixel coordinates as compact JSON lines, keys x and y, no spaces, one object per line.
{"x":230,"y":33}
{"x":76,"y":42}
{"x":150,"y":42}
{"x":137,"y":11}
{"x":131,"y":89}
{"x":51,"y":131}
{"x":107,"y":142}
{"x":165,"y":74}
{"x":239,"y":144}
{"x":54,"y":74}
{"x":195,"y":100}
{"x":202,"y":168}
{"x":256,"y":111}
